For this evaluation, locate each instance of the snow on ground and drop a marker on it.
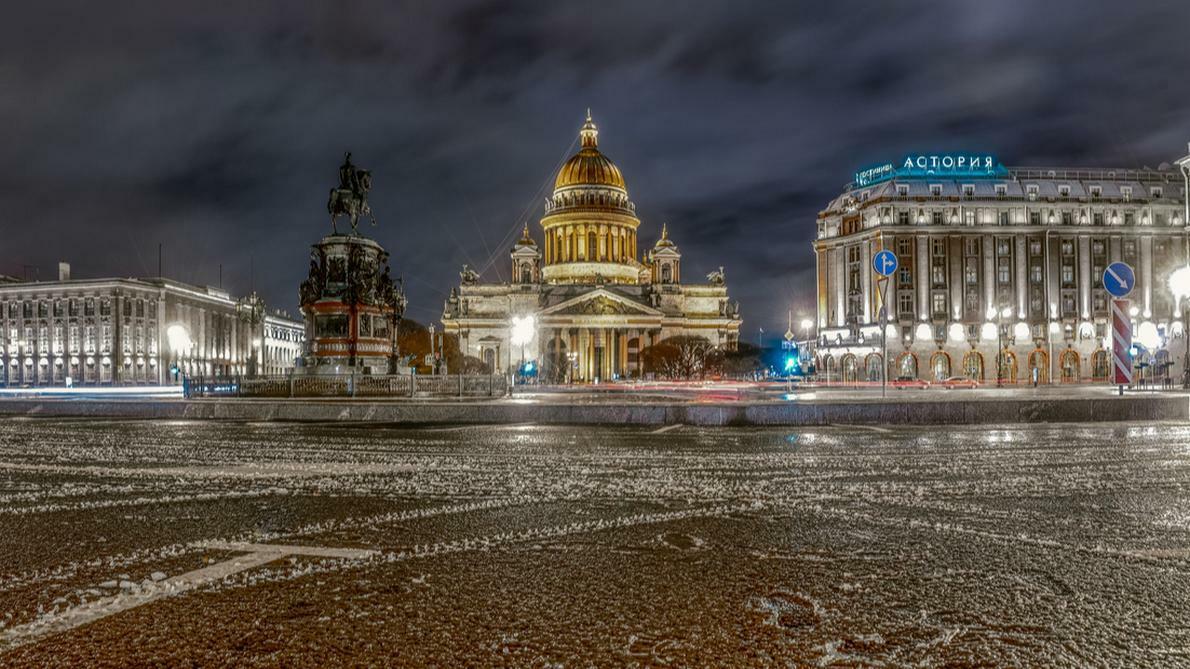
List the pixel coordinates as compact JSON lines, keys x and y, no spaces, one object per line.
{"x":192,"y":542}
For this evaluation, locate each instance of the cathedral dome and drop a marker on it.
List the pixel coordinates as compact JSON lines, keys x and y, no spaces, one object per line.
{"x":589,"y":167}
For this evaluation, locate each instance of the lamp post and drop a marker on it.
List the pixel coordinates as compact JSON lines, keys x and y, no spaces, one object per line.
{"x":1001,"y":314}
{"x":433,"y":355}
{"x":394,"y":299}
{"x":250,"y":309}
{"x":523,"y":328}
{"x":179,"y":344}
{"x":1179,"y":285}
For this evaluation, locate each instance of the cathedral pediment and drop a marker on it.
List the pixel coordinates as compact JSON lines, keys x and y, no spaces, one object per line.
{"x":600,"y":303}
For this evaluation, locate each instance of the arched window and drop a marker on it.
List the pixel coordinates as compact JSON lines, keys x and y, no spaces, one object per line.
{"x":940,"y":366}
{"x":1039,"y":364}
{"x":1099,"y":366}
{"x":666,"y":273}
{"x":973,"y":366}
{"x":907,"y":366}
{"x":850,"y":368}
{"x":526,"y":274}
{"x":1007,"y":366}
{"x":1069,"y":362}
{"x":874,"y":365}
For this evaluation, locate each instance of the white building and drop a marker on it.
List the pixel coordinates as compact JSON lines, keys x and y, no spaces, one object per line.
{"x":127,"y":332}
{"x":992,"y":256}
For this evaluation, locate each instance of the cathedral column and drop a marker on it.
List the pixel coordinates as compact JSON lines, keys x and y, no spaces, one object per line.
{"x":624,"y":352}
{"x":583,"y":357}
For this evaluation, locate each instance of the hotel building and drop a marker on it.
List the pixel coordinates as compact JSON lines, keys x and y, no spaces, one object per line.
{"x":993,"y":258}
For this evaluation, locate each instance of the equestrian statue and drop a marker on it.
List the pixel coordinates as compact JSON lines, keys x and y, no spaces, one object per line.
{"x":351,"y":197}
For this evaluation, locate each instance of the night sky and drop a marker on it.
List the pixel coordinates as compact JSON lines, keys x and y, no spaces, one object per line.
{"x":218,"y":132}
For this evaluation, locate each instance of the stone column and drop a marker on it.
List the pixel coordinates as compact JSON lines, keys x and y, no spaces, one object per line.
{"x":1021,"y":256}
{"x":1145,"y":275}
{"x":923,"y":279}
{"x":1084,"y":276}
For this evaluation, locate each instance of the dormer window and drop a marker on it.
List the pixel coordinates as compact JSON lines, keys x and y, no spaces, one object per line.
{"x":1126,"y":192}
{"x":1031,"y":191}
{"x":935,"y":190}
{"x":1001,"y":191}
{"x":968,"y":190}
{"x":1096,"y":192}
{"x":1155,"y":191}
{"x":903,"y":190}
{"x":1064,"y":191}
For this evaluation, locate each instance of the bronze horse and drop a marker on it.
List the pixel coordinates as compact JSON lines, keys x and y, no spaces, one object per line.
{"x":351,"y":202}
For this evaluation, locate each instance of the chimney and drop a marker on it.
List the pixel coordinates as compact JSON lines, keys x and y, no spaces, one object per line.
{"x":64,"y":271}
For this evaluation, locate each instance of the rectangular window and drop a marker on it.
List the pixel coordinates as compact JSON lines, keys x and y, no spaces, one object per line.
{"x":968,"y":191}
{"x":1129,"y":218}
{"x":1097,"y":218}
{"x":1031,"y":191}
{"x":902,"y":218}
{"x":1067,"y":218}
{"x":1155,"y":191}
{"x":939,"y":305}
{"x":905,"y":276}
{"x":1067,"y":247}
{"x":1001,"y":191}
{"x":970,"y":218}
{"x":1067,"y":275}
{"x":1035,"y":274}
{"x":331,"y":326}
{"x":1126,"y":192}
{"x":1096,"y":192}
{"x":1003,"y":218}
{"x":1003,"y":272}
{"x":903,"y":190}
{"x":905,"y":303}
{"x":1064,"y":191}
{"x":938,"y":275}
{"x":971,"y":273}
{"x":938,"y":248}
{"x":936,"y":218}
{"x":1034,"y":218}
{"x":971,"y":246}
{"x":936,"y":190}
{"x":1035,"y":247}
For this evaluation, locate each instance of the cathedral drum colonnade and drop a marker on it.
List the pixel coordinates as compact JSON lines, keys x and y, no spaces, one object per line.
{"x":596,"y":305}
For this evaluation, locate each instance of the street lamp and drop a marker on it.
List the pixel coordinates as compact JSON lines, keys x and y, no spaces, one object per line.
{"x":1001,"y":314}
{"x":250,"y":309}
{"x":433,"y":353}
{"x":1179,"y":285}
{"x":523,"y":329}
{"x":179,"y":345}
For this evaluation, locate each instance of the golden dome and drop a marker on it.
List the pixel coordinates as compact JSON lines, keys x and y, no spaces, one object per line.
{"x":589,"y":167}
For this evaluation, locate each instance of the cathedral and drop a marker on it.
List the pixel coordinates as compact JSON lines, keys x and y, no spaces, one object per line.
{"x":581,"y":304}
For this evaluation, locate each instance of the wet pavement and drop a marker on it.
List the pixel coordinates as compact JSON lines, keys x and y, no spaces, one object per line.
{"x":216,"y":543}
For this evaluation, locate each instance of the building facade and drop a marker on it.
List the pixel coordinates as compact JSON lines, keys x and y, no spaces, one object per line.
{"x":93,"y":332}
{"x":593,"y":305}
{"x":995,"y":259}
{"x":283,"y":342}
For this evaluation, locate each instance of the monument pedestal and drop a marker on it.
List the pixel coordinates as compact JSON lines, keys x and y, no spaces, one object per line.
{"x":352,"y":307}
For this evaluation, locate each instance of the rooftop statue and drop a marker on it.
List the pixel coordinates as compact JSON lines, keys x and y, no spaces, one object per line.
{"x":351,"y":197}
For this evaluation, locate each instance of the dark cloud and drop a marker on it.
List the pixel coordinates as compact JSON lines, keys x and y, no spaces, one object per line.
{"x":217,"y":132}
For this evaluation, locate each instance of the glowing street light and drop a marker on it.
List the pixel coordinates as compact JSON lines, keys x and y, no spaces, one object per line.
{"x":1179,"y":285}
{"x":179,"y":345}
{"x":523,"y":330}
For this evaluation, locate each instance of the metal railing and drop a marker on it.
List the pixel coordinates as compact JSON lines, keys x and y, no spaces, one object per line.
{"x":348,"y":385}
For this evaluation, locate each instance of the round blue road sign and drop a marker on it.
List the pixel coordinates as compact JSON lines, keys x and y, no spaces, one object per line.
{"x":1118,"y":279}
{"x":885,"y":263}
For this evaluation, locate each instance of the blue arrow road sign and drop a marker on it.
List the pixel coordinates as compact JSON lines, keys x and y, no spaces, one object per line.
{"x":1118,"y":279}
{"x":885,"y":263}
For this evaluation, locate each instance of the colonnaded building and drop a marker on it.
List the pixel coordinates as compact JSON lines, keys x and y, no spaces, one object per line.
{"x":993,"y":258}
{"x":100,"y":332}
{"x":593,"y":305}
